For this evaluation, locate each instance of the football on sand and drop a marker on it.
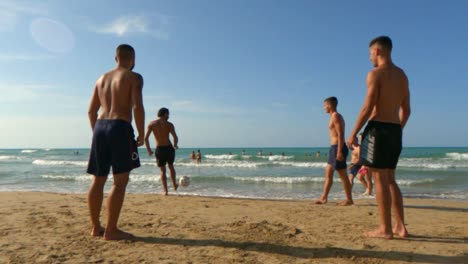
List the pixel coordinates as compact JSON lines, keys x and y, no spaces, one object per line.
{"x":184,"y":181}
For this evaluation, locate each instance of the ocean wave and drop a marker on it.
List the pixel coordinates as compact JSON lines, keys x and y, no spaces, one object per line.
{"x":10,"y":158}
{"x":84,"y":177}
{"x":291,"y":180}
{"x":28,"y":150}
{"x":302,"y":164}
{"x":279,"y":157}
{"x":239,"y":164}
{"x":431,"y":163}
{"x":415,"y":182}
{"x":59,"y":163}
{"x":457,"y":156}
{"x":221,"y":157}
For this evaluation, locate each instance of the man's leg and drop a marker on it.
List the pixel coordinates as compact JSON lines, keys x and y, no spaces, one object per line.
{"x":163,"y":178}
{"x":351,"y":179}
{"x":383,"y":198}
{"x":114,"y":206}
{"x":397,"y":207}
{"x":346,"y":187}
{"x":369,"y":183}
{"x":327,"y":185}
{"x":95,"y":197}
{"x":173,"y":176}
{"x":362,"y":181}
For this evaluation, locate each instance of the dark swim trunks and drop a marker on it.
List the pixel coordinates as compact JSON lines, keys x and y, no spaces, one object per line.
{"x":165,"y":154}
{"x":381,"y":145}
{"x":354,"y":169}
{"x":113,"y":146}
{"x":337,"y":164}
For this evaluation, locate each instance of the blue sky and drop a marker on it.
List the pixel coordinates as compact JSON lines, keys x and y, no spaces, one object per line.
{"x":233,"y":73}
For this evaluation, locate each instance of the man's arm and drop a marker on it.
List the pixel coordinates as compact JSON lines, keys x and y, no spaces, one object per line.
{"x":367,"y":107}
{"x":339,"y":129}
{"x":174,"y":136}
{"x":93,"y":108}
{"x":149,"y":130}
{"x":138,"y":109}
{"x":405,"y":108}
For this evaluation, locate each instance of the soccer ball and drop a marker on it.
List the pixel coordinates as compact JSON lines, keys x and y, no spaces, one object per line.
{"x":184,"y":181}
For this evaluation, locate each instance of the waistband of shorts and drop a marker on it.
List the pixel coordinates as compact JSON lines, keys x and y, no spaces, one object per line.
{"x":164,"y":147}
{"x":387,"y":124}
{"x":113,"y":121}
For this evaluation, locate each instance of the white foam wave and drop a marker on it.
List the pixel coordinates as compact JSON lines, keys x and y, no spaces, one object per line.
{"x":414,"y":182}
{"x":84,"y":177}
{"x":221,"y":157}
{"x":28,"y":150}
{"x":428,"y":163}
{"x":457,"y":156}
{"x":302,"y":164}
{"x":9,"y":157}
{"x":223,"y":165}
{"x":59,"y":163}
{"x":279,"y":157}
{"x":281,"y":179}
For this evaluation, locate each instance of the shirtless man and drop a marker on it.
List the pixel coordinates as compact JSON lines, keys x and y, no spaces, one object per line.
{"x":116,"y":94}
{"x":165,"y":152}
{"x":356,"y":169}
{"x":337,"y":155}
{"x":387,"y":108}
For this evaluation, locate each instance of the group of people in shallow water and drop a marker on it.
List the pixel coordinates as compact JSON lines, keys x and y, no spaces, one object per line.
{"x":386,"y":110}
{"x":196,"y":157}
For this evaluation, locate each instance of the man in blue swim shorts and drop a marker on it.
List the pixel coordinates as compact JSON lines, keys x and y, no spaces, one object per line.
{"x":337,"y":155}
{"x":386,"y":110}
{"x":116,"y":93}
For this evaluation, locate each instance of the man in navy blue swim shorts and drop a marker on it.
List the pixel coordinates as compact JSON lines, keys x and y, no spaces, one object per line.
{"x":337,"y":155}
{"x":116,"y":93}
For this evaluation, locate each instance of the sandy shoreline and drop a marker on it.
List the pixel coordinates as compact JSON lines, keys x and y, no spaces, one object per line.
{"x":38,"y":227}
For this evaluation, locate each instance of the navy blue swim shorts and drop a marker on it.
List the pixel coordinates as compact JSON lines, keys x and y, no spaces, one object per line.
{"x":113,"y":146}
{"x":337,"y":164}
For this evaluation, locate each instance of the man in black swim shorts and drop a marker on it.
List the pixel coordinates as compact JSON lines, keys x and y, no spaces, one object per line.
{"x":165,"y":151}
{"x":387,"y":108}
{"x":116,"y":93}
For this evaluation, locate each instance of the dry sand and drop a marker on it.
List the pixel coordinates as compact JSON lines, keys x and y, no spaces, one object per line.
{"x":53,"y":228}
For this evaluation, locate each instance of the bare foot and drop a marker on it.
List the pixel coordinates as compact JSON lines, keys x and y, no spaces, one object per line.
{"x":400,"y":231}
{"x":97,"y":232}
{"x":176,"y":186}
{"x":165,"y":193}
{"x":321,"y":201}
{"x":378,"y":234}
{"x":345,"y":203}
{"x":118,"y":235}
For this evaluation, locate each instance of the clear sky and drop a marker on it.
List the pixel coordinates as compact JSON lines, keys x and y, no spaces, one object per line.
{"x":244,"y":73}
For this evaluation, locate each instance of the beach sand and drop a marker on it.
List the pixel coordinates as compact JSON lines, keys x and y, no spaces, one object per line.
{"x":40,"y":227}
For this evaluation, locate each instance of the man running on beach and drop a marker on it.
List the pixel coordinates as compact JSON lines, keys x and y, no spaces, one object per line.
{"x":387,"y":108}
{"x":165,"y":152}
{"x":337,"y":155}
{"x":116,"y":94}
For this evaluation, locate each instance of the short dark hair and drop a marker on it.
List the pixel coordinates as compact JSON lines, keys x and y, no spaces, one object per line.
{"x":125,"y":52}
{"x":332,"y":100}
{"x":163,"y":111}
{"x":383,"y":41}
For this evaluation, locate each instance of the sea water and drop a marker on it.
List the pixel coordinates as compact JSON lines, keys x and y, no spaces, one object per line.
{"x":280,"y":173}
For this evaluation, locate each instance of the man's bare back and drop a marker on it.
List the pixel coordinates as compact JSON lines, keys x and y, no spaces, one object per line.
{"x":391,"y":93}
{"x":116,"y":94}
{"x":161,"y":130}
{"x":116,"y":90}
